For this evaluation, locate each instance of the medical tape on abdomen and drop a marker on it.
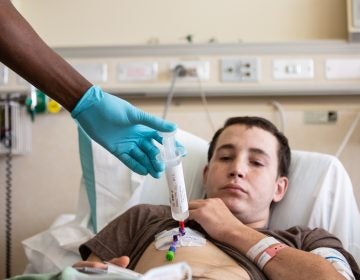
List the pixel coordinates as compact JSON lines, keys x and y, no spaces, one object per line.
{"x":191,"y":238}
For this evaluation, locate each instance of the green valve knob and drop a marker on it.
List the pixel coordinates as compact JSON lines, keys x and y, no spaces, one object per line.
{"x":170,"y":255}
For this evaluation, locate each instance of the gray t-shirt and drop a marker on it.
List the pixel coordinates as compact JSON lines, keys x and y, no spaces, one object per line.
{"x":132,"y":232}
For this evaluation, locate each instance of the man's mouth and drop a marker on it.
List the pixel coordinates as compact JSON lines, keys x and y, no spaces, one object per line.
{"x":233,"y":187}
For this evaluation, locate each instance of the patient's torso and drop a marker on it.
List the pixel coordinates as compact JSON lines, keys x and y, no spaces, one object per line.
{"x":206,"y":262}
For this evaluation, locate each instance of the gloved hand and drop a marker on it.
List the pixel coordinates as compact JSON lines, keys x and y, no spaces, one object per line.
{"x":124,"y":130}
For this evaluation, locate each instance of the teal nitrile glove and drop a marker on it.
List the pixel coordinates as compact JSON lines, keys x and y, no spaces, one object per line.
{"x":124,"y":130}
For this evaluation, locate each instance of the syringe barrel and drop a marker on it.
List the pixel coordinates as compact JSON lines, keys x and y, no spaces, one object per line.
{"x":175,"y":179}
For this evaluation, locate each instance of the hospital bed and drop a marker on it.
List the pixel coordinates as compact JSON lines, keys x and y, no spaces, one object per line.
{"x":320,"y":194}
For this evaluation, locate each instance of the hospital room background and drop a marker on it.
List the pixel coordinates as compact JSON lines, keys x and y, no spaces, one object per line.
{"x":294,"y":62}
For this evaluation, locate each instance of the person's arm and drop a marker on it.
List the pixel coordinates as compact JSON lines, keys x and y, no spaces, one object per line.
{"x":124,"y":130}
{"x":288,"y":263}
{"x":22,"y":50}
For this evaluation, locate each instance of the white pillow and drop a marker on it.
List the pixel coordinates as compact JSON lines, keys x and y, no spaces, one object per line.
{"x":320,"y":194}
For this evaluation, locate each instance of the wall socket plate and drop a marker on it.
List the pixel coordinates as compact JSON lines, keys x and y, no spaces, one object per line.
{"x":240,"y":69}
{"x":94,"y":72}
{"x":137,"y":71}
{"x":320,"y":117}
{"x":347,"y":69}
{"x":293,"y":69}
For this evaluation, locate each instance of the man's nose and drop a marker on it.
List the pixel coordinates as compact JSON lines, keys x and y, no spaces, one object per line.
{"x":238,"y":169}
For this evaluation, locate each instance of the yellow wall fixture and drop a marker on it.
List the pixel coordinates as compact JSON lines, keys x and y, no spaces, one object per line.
{"x":53,"y":107}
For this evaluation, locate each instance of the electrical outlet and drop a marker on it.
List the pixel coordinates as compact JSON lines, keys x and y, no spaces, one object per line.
{"x":240,"y":70}
{"x":195,"y":69}
{"x":293,"y":69}
{"x":319,"y":117}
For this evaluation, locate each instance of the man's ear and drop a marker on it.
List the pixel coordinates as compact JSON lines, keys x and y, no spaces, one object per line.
{"x":205,"y":174}
{"x":281,"y":188}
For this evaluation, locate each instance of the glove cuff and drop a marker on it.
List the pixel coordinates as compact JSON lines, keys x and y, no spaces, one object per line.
{"x":91,"y":97}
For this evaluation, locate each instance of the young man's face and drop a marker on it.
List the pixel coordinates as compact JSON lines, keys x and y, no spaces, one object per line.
{"x":243,"y":172}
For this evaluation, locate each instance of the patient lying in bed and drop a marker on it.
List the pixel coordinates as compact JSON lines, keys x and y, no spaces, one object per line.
{"x":247,"y":169}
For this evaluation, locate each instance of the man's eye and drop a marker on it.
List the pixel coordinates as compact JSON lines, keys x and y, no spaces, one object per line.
{"x":225,"y":158}
{"x":257,"y":163}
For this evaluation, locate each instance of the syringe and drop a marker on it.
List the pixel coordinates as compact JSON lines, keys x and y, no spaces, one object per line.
{"x":175,"y":178}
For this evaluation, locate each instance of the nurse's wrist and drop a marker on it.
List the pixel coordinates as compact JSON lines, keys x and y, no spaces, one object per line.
{"x":91,"y":97}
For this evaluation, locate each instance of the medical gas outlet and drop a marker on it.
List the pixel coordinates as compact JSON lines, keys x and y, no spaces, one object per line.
{"x":194,"y":70}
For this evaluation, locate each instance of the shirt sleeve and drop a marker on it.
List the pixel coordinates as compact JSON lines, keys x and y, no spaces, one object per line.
{"x":337,"y":259}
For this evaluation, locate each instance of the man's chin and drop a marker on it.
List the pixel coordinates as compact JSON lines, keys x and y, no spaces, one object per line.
{"x":234,"y":204}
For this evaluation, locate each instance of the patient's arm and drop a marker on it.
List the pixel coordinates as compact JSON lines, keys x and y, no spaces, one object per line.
{"x":289,"y":263}
{"x":96,"y":262}
{"x":304,"y":265}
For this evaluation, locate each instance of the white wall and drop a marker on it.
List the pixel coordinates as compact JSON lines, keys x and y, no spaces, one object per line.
{"x":104,"y":22}
{"x":45,"y":183}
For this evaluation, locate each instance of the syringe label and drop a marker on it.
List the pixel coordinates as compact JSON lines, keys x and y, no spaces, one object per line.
{"x":175,"y":178}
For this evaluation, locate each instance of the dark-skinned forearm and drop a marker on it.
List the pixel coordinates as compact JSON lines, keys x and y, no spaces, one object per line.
{"x":22,"y":50}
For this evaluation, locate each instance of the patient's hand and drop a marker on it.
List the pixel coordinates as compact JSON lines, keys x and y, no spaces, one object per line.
{"x":95,"y":262}
{"x":214,"y":216}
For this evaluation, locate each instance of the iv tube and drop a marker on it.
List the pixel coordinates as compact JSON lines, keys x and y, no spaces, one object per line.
{"x":175,"y":178}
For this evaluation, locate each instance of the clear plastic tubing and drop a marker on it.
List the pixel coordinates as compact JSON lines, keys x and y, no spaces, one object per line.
{"x":175,"y":178}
